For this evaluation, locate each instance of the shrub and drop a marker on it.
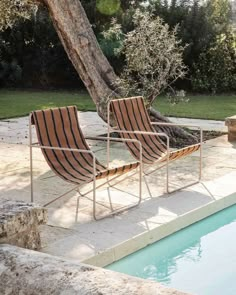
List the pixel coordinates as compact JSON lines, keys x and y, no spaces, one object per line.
{"x":216,"y":68}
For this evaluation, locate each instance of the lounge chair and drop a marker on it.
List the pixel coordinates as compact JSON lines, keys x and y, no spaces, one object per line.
{"x":133,"y":122}
{"x":67,"y":153}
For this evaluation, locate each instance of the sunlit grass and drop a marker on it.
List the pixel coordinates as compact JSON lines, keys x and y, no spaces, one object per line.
{"x":216,"y":107}
{"x":21,"y":103}
{"x":16,"y":103}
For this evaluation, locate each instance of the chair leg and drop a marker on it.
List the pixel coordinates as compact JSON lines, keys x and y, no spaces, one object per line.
{"x":31,"y":162}
{"x":59,"y":197}
{"x":167,"y":177}
{"x":77,"y":205}
{"x":113,"y":211}
{"x":140,"y":182}
{"x":116,"y":211}
{"x":167,"y":165}
{"x":149,"y":191}
{"x":94,"y":200}
{"x":192,"y":183}
{"x":200,"y":163}
{"x":167,"y":170}
{"x":31,"y":176}
{"x":109,"y":197}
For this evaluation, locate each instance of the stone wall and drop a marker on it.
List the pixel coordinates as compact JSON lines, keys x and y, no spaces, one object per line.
{"x":19,"y":223}
{"x":25,"y":272}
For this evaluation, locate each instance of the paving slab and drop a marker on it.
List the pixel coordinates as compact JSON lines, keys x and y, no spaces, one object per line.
{"x":84,"y":238}
{"x":159,"y":214}
{"x":17,"y":130}
{"x":208,"y":125}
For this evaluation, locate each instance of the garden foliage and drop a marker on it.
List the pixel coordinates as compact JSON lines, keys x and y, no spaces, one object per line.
{"x":31,"y":54}
{"x":153,"y":56}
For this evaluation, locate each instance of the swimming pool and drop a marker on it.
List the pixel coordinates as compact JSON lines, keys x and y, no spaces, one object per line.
{"x":200,"y":259}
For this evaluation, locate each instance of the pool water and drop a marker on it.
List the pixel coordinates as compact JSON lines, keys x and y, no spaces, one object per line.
{"x":200,"y":259}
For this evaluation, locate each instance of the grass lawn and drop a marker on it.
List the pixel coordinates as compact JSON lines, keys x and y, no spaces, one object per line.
{"x":14,"y":103}
{"x":216,"y":107}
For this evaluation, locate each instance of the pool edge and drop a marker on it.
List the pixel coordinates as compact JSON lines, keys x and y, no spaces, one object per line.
{"x":142,"y":240}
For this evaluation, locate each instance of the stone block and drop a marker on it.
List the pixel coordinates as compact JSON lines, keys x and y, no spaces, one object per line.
{"x":231,"y":123}
{"x":25,"y":271}
{"x":19,"y":223}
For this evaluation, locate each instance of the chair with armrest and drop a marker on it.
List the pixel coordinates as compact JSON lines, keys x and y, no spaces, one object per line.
{"x":67,"y":153}
{"x":133,"y":122}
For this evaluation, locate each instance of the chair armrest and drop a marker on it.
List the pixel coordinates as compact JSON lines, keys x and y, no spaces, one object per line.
{"x":94,"y":124}
{"x":70,"y":150}
{"x":175,"y":124}
{"x":61,"y":148}
{"x":150,"y":133}
{"x":181,"y":125}
{"x":143,"y":132}
{"x":108,"y":139}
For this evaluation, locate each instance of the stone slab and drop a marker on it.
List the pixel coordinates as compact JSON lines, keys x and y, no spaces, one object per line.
{"x":207,"y":125}
{"x":19,"y":222}
{"x":107,"y":240}
{"x":28,"y":272}
{"x":231,"y":123}
{"x":17,"y":130}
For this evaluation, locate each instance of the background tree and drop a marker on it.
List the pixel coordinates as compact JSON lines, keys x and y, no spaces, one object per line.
{"x":213,"y":16}
{"x":219,"y":15}
{"x":215,"y":70}
{"x":189,"y":16}
{"x":153,"y":56}
{"x":33,"y":44}
{"x":80,"y":44}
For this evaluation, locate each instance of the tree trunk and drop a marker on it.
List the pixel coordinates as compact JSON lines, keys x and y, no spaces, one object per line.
{"x":178,"y":136}
{"x":81,"y":46}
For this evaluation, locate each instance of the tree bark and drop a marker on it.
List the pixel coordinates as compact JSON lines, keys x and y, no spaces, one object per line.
{"x":176,"y":134}
{"x":81,"y":46}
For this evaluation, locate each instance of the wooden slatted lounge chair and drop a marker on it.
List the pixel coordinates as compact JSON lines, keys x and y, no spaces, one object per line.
{"x":133,"y":122}
{"x":67,"y":153}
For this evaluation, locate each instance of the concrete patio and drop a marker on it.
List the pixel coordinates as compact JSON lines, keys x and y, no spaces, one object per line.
{"x":102,"y":242}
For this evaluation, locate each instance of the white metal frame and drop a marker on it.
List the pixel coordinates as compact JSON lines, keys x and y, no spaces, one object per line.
{"x":95,"y":187}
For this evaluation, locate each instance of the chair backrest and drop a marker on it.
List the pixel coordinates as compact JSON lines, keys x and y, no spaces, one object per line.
{"x":59,"y":127}
{"x":130,"y":114}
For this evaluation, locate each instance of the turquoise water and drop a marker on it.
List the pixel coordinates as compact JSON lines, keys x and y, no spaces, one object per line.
{"x":200,"y":259}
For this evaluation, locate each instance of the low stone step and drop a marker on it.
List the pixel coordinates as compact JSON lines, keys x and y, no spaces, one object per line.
{"x":19,"y":223}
